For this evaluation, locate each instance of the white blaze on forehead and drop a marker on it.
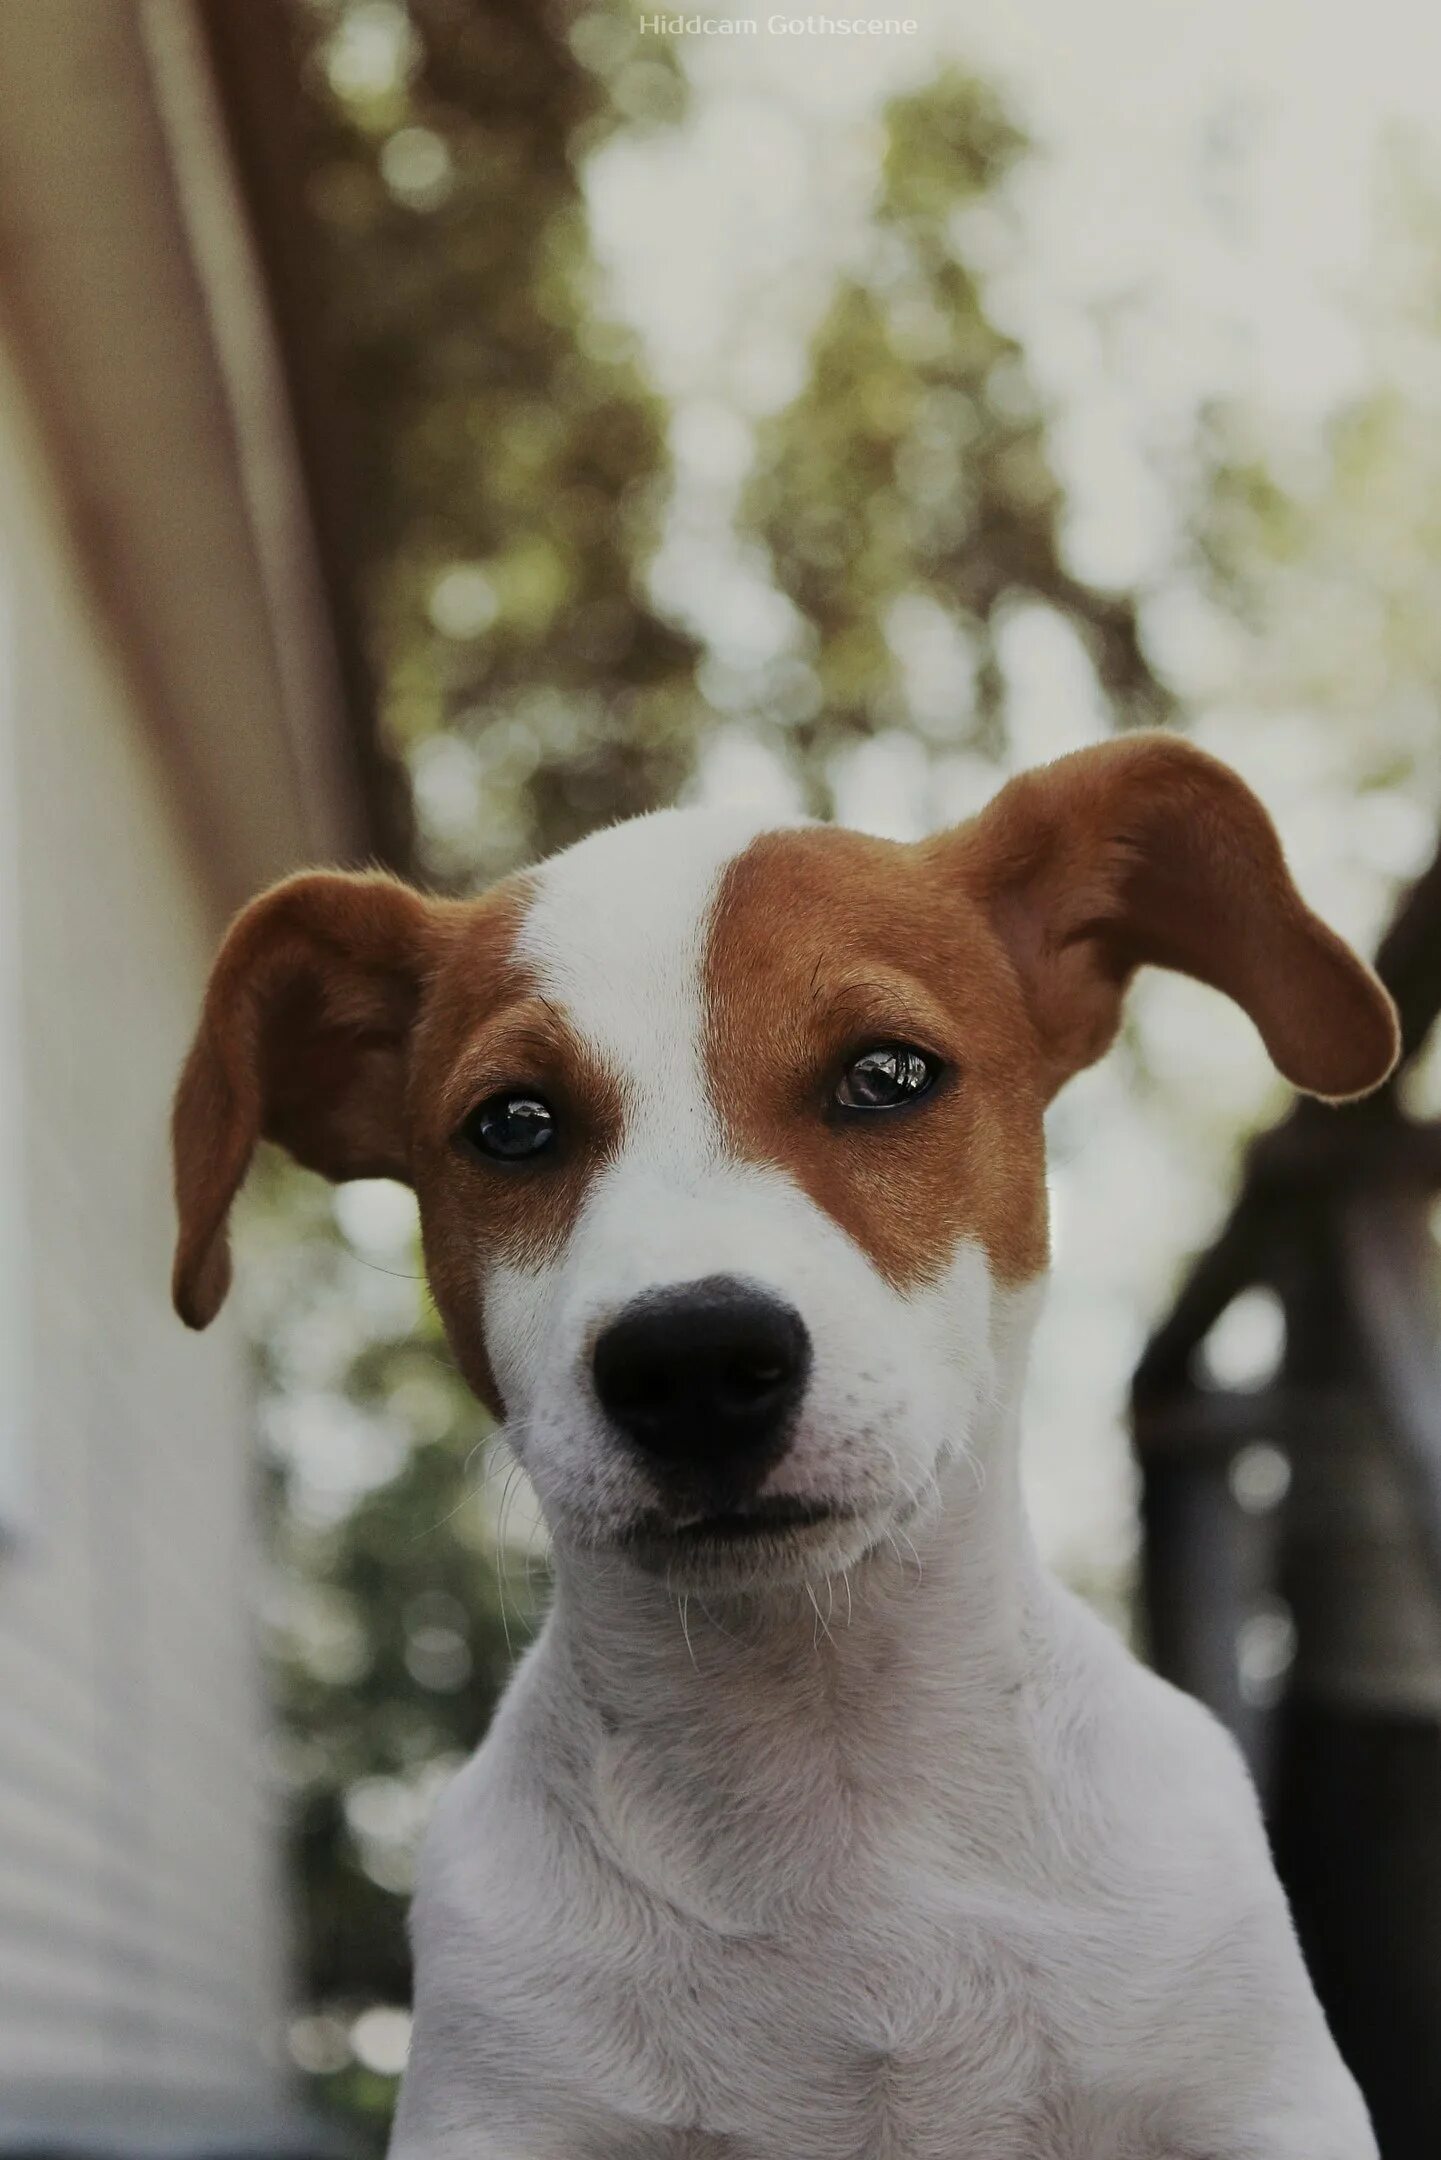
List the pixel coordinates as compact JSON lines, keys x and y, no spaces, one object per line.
{"x":616,"y":937}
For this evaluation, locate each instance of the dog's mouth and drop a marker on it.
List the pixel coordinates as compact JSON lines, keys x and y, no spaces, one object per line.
{"x":779,"y":1518}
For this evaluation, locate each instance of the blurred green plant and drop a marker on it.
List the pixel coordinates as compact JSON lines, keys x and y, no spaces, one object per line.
{"x":511,"y":465}
{"x":394,"y":1602}
{"x":1323,"y":553}
{"x":907,"y":497}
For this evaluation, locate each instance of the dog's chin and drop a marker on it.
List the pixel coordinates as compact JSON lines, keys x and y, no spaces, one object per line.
{"x":756,"y":1548}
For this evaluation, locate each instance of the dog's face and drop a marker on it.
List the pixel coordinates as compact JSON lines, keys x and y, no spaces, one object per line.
{"x":728,"y":1144}
{"x":728,"y":1150}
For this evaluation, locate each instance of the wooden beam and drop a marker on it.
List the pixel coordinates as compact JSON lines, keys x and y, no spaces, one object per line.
{"x":1389,"y":1265}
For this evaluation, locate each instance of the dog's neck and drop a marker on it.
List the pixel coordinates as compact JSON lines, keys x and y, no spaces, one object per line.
{"x":958,"y":1574}
{"x":717,"y":1743}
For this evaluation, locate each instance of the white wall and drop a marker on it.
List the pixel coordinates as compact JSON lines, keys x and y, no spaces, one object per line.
{"x":15,"y":1420}
{"x":138,"y":1912}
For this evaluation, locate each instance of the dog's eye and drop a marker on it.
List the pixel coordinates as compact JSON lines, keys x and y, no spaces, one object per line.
{"x":886,"y":1077}
{"x":509,"y":1128}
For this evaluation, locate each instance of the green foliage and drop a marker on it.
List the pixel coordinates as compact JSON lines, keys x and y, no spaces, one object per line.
{"x":411,"y":1572}
{"x":511,"y":457}
{"x":912,"y":471}
{"x":395,"y":1603}
{"x":1327,"y":552}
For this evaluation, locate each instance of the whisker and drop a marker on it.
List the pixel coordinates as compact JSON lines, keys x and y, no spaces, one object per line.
{"x":395,"y":1274}
{"x":502,"y":1555}
{"x":451,"y":1513}
{"x":507,"y":1493}
{"x":710,"y":1616}
{"x":683,"y":1608}
{"x":470,"y":1455}
{"x":530,"y":1563}
{"x":431,"y":1528}
{"x":820,"y":1620}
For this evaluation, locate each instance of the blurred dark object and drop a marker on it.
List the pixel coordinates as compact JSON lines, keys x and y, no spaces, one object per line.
{"x":1293,"y":1541}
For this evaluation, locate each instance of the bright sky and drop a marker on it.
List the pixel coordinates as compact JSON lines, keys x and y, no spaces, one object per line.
{"x":1205,"y":184}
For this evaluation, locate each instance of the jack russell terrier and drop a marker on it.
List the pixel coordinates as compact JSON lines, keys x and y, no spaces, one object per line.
{"x":820,"y":1823}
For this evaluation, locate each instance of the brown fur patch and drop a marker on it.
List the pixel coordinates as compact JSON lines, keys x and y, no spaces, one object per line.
{"x":303,"y":1039}
{"x":1145,"y":851}
{"x":356,"y":1022}
{"x":485,"y":1031}
{"x":1005,"y":948}
{"x":824,"y":943}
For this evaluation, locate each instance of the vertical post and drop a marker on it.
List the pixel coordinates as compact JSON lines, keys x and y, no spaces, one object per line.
{"x":1357,"y":1803}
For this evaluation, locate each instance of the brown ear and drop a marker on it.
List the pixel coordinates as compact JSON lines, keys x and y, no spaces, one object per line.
{"x":1145,"y":851}
{"x":303,"y":1039}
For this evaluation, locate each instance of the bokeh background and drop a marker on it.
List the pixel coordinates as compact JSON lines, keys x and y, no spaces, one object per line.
{"x":836,"y":424}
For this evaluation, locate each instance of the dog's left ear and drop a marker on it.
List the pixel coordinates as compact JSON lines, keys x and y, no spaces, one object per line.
{"x":304,"y":1039}
{"x":1145,"y":851}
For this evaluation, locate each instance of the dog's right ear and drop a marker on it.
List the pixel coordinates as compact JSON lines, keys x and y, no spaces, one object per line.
{"x":304,"y":1039}
{"x":1145,"y":851}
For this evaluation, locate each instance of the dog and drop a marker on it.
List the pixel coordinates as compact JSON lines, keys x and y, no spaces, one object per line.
{"x":819,"y":1823}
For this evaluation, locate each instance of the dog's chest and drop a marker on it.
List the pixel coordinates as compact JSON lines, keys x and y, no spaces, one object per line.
{"x":901,"y":2038}
{"x":921,"y":2026}
{"x":686,"y":1960}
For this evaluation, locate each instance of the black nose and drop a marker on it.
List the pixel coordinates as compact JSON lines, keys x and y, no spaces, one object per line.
{"x":704,"y":1381}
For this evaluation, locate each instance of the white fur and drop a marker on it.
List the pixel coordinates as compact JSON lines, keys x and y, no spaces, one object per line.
{"x":894,"y":1854}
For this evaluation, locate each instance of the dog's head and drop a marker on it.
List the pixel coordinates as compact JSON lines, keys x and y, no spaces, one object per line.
{"x":728,"y":1143}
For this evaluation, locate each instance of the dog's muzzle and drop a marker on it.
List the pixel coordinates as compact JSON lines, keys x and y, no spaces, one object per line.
{"x":703,"y":1381}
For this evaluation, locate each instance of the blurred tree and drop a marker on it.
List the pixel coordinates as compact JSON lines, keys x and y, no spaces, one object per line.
{"x":394,"y":1605}
{"x":906,"y":496}
{"x":511,"y":460}
{"x":1323,"y":552}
